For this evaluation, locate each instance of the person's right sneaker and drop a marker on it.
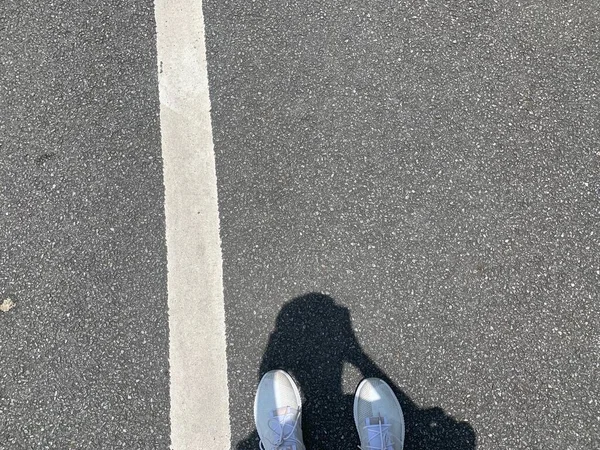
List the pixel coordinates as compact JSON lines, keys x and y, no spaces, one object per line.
{"x":277,"y":412}
{"x":378,"y":416}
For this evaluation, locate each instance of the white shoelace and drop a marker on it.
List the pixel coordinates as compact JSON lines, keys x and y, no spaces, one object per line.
{"x":277,"y":426}
{"x":379,"y":437}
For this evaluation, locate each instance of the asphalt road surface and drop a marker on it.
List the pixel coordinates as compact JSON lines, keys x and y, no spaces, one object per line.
{"x":407,"y":190}
{"x":434,"y":168}
{"x":83,"y":359}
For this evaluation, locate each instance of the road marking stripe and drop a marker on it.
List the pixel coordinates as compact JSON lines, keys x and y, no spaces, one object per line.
{"x":198,"y":365}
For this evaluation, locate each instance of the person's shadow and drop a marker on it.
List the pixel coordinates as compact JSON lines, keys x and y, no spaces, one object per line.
{"x":312,"y":340}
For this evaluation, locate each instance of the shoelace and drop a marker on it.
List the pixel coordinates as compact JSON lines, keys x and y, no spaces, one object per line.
{"x":380,"y":433}
{"x":281,"y":439}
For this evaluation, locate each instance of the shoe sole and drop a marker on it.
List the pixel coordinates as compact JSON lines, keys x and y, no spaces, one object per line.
{"x":294,"y":387}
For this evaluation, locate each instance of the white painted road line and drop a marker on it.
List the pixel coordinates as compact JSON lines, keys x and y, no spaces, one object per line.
{"x":198,"y":365}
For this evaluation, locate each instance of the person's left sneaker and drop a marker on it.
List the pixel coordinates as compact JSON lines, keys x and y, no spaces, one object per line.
{"x":277,"y":412}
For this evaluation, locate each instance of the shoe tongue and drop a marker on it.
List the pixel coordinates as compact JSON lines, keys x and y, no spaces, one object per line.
{"x":376,"y":426}
{"x":283,"y":412}
{"x":376,"y":420}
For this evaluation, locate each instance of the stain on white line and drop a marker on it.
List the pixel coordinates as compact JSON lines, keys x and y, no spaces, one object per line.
{"x":198,"y":366}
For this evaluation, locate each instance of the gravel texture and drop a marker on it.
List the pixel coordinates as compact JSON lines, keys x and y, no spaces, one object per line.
{"x":434,"y":167}
{"x":83,"y":359}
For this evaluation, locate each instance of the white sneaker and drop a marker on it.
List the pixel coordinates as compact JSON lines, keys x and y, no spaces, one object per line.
{"x":277,"y":412}
{"x":378,"y":416}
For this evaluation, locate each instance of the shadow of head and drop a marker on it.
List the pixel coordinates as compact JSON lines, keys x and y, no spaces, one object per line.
{"x":312,"y":340}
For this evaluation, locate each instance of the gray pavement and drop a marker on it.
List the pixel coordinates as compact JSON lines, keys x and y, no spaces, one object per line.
{"x":433,"y":167}
{"x":83,"y":359}
{"x":407,"y":190}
